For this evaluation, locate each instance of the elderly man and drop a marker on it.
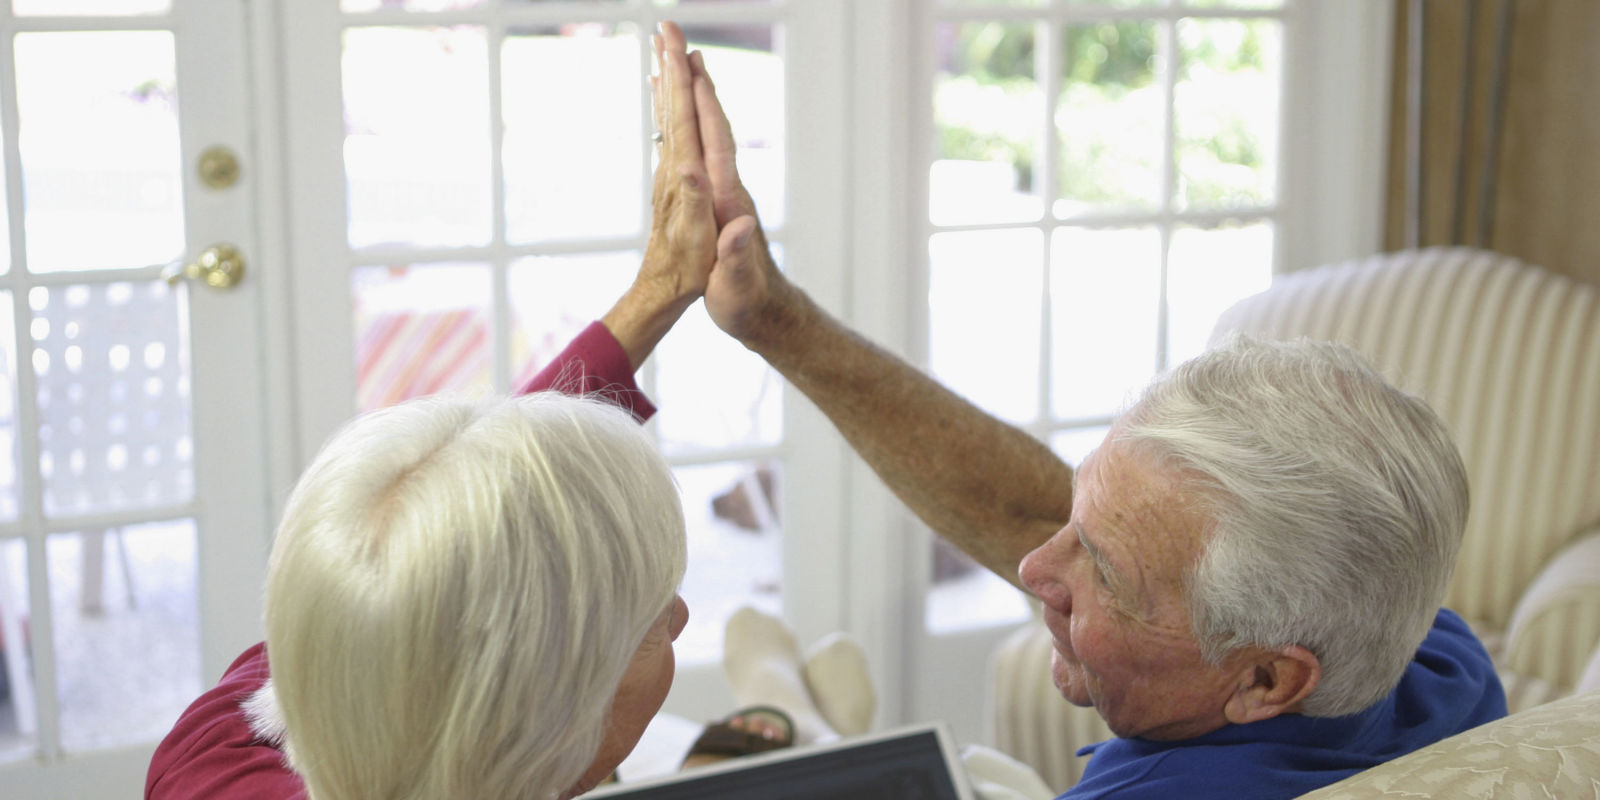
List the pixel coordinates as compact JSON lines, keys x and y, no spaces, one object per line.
{"x":1244,"y":580}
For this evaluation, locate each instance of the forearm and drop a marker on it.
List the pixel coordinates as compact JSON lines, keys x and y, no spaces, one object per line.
{"x":987,"y":487}
{"x":644,"y":314}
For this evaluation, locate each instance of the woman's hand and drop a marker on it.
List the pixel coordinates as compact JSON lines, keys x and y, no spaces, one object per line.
{"x":683,"y":228}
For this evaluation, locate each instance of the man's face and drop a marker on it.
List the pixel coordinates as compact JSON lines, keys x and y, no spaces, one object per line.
{"x":1113,"y":587}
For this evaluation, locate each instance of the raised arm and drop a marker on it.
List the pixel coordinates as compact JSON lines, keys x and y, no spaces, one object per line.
{"x":683,"y":233}
{"x":677,"y":260}
{"x":987,"y":487}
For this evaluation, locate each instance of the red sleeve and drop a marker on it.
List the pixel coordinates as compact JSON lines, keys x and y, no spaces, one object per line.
{"x":212,"y":754}
{"x":594,"y":364}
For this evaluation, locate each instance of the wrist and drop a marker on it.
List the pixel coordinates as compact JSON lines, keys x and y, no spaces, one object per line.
{"x":775,"y":330}
{"x":643,"y":315}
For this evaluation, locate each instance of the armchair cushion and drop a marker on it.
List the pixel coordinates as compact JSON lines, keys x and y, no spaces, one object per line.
{"x":1551,"y":750}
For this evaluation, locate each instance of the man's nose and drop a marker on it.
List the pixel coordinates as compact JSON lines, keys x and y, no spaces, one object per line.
{"x":1043,"y":571}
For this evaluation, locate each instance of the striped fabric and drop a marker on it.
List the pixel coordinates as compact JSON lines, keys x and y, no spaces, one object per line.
{"x":1509,"y":355}
{"x":402,"y":355}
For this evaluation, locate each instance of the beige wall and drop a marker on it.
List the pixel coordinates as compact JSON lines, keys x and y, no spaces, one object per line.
{"x":1547,"y":203}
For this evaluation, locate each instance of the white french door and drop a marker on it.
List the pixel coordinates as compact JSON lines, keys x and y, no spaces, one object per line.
{"x":133,"y":507}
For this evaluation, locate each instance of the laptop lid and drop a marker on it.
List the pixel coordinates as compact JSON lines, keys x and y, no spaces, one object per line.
{"x":918,"y":762}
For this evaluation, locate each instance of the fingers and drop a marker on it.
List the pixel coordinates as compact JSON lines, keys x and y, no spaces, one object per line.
{"x":680,"y":125}
{"x":729,"y":197}
{"x":733,"y":243}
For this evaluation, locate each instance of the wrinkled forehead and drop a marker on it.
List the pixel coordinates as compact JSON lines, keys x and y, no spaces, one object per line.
{"x":1141,"y":509}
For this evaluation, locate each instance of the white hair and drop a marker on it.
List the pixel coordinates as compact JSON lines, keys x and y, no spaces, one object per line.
{"x":1337,"y":504}
{"x":456,"y":590}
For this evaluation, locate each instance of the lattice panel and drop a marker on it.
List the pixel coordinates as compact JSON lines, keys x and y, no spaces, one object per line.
{"x":113,"y":393}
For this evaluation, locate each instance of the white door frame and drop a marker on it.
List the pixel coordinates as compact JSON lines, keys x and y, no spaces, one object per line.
{"x":213,"y":48}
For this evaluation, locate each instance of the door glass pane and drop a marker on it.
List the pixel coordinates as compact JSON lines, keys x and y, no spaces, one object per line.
{"x":1119,"y":3}
{"x":573,"y":147}
{"x":1210,"y":270}
{"x":358,"y":6}
{"x":987,"y":108}
{"x":1105,"y":287}
{"x":112,"y":365}
{"x":964,"y":595}
{"x":1249,"y":4}
{"x":1075,"y":444}
{"x":1109,"y":119}
{"x":100,"y":158}
{"x":94,"y":8}
{"x":8,"y":410}
{"x":995,"y":2}
{"x":420,"y":330}
{"x":416,"y":148}
{"x":735,"y":549}
{"x":18,"y":704}
{"x":984,"y":307}
{"x":555,"y":297}
{"x":747,"y":64}
{"x":127,"y":627}
{"x":712,"y":391}
{"x":1226,"y":112}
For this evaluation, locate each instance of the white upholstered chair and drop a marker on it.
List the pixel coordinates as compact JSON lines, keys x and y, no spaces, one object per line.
{"x":1509,"y":355}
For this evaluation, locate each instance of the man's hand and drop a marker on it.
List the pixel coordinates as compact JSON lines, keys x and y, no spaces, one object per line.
{"x":746,"y":295}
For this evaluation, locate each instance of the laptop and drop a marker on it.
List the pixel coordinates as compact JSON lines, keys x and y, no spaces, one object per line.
{"x":918,"y":762}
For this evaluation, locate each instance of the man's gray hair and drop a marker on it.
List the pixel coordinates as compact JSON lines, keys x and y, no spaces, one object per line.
{"x":1337,"y":503}
{"x":456,"y":590}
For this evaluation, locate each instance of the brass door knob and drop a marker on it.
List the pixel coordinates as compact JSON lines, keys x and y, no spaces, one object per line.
{"x":220,"y":266}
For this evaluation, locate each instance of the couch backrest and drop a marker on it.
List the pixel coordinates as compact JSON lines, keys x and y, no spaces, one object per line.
{"x":1508,"y":354}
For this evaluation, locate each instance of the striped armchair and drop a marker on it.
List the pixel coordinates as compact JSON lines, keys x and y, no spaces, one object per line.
{"x":1509,"y":355}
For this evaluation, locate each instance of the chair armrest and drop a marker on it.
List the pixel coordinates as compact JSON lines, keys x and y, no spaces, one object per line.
{"x":1556,"y":624}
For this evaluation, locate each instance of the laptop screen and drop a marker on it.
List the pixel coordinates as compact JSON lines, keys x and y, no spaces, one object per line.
{"x":916,"y":763}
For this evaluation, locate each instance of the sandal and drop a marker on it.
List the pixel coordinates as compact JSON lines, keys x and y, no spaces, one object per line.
{"x":722,"y":739}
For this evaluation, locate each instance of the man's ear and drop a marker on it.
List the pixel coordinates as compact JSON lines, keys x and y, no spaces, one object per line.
{"x":1272,"y":682}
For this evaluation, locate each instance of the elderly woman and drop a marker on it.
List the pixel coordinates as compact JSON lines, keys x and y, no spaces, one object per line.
{"x":476,"y":599}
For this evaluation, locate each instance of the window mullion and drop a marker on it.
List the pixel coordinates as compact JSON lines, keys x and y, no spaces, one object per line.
{"x":1169,"y":180}
{"x":500,"y":315}
{"x":1048,"y":63}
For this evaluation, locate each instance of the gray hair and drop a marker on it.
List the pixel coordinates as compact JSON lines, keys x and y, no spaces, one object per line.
{"x":456,"y":590}
{"x":1337,"y":505}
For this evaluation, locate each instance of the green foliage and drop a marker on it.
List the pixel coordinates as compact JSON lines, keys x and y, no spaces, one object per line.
{"x":987,"y":104}
{"x":1115,"y":55}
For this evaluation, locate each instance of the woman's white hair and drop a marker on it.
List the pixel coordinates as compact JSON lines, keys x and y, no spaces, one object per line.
{"x":456,"y":590}
{"x":1337,"y":505}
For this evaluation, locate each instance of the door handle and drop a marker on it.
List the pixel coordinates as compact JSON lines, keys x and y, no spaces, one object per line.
{"x":220,"y":266}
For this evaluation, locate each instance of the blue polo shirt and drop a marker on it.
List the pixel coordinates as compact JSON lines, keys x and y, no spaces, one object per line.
{"x":1449,"y":687}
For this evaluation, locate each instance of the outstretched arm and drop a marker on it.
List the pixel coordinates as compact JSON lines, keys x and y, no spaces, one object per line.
{"x":987,"y":487}
{"x":683,"y":233}
{"x":677,"y":259}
